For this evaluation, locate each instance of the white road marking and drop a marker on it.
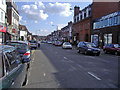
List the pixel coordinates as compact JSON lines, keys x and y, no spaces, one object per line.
{"x":94,"y":76}
{"x":73,"y":68}
{"x":65,"y":58}
{"x":44,"y":74}
{"x":90,"y":57}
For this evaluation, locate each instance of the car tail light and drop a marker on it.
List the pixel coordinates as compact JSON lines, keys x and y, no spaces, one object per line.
{"x":27,"y":53}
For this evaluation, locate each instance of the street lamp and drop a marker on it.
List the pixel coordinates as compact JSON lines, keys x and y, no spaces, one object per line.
{"x":56,"y":26}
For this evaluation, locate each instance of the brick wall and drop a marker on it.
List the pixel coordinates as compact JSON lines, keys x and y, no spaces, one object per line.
{"x":100,"y":9}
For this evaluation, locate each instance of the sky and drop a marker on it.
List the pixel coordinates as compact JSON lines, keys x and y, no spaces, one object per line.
{"x":41,"y":18}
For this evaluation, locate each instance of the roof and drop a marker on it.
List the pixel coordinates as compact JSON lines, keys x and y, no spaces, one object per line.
{"x":23,"y":28}
{"x":25,"y":42}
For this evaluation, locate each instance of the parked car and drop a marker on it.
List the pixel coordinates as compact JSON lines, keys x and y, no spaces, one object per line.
{"x":34,"y":44}
{"x":58,"y":43}
{"x":88,"y":48}
{"x":23,"y":48}
{"x":66,"y":45}
{"x":112,"y":48}
{"x":49,"y":42}
{"x":13,"y":69}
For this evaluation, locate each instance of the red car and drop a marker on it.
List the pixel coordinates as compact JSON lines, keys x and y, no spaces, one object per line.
{"x":112,"y":48}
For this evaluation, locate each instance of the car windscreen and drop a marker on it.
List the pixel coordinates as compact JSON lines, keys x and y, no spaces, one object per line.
{"x":116,"y":46}
{"x":20,"y":46}
{"x":32,"y":41}
{"x":67,"y":43}
{"x":91,"y":45}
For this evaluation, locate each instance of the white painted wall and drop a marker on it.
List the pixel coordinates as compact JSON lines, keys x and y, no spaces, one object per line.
{"x":2,"y":9}
{"x":24,"y":34}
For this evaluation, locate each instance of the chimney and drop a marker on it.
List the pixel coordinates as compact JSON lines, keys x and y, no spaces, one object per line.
{"x":76,"y":10}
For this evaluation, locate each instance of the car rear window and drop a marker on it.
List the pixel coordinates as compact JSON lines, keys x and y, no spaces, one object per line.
{"x":21,"y":46}
{"x":67,"y":43}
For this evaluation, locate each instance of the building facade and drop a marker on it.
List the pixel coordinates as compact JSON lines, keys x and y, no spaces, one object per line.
{"x":13,"y":20}
{"x":106,"y":24}
{"x":2,"y":20}
{"x":23,"y":33}
{"x":82,"y":24}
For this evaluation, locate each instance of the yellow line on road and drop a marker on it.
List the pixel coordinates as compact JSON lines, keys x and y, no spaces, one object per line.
{"x":33,"y":52}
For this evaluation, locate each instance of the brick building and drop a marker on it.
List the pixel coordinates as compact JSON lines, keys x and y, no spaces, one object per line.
{"x":13,"y":20}
{"x":106,"y":24}
{"x":82,"y":24}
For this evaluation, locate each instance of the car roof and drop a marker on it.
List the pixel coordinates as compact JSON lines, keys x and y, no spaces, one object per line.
{"x":25,"y":42}
{"x":2,"y":47}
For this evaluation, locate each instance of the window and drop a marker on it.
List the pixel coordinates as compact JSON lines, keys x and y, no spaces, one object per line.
{"x":110,"y":21}
{"x":89,"y":12}
{"x":77,"y":18}
{"x":81,"y":17}
{"x":2,"y":16}
{"x":1,"y":66}
{"x":2,"y":1}
{"x":116,"y":20}
{"x":81,"y":27}
{"x":86,"y":26}
{"x":85,"y":15}
{"x":13,"y":58}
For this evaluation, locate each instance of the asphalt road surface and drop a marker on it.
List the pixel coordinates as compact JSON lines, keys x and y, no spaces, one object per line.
{"x":54,"y":67}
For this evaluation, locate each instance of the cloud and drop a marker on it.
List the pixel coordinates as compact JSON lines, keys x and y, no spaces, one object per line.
{"x":22,"y":21}
{"x":40,"y":4}
{"x":51,"y":23}
{"x":61,"y":26}
{"x":36,"y":21}
{"x":62,"y":9}
{"x":32,"y":12}
{"x":20,"y":18}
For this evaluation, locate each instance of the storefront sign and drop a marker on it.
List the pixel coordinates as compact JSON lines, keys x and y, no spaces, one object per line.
{"x":109,"y":16}
{"x":2,"y":29}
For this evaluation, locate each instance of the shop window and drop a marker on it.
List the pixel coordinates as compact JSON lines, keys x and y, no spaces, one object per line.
{"x":110,"y":21}
{"x":119,"y":20}
{"x":115,"y":20}
{"x":107,"y":39}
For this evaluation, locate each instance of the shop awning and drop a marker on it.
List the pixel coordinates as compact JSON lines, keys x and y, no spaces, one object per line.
{"x":2,"y":29}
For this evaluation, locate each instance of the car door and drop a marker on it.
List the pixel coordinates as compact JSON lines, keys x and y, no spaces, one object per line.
{"x":12,"y":72}
{"x":83,"y":47}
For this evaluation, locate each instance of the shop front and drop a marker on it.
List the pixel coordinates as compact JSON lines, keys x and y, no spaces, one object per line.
{"x":106,"y":30}
{"x":2,"y":34}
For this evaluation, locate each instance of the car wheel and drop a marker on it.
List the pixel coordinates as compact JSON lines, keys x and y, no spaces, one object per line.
{"x":116,"y":53}
{"x":97,"y":54}
{"x":105,"y":51}
{"x":78,"y":51}
{"x":85,"y":52}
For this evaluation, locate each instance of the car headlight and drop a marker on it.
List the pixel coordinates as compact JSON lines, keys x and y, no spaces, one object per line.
{"x":89,"y":49}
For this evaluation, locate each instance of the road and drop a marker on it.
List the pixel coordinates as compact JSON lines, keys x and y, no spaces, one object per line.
{"x":54,"y":67}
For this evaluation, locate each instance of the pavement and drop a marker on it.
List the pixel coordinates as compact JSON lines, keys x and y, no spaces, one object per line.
{"x":54,"y":67}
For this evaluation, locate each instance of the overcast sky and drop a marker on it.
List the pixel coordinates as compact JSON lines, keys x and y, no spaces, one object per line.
{"x":40,"y":16}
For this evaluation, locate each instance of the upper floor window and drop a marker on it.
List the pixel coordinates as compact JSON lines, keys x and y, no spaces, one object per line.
{"x":2,"y":1}
{"x":85,"y":15}
{"x":89,"y":13}
{"x":2,"y":16}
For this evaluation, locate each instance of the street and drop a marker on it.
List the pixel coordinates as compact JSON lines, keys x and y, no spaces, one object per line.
{"x":54,"y":67}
